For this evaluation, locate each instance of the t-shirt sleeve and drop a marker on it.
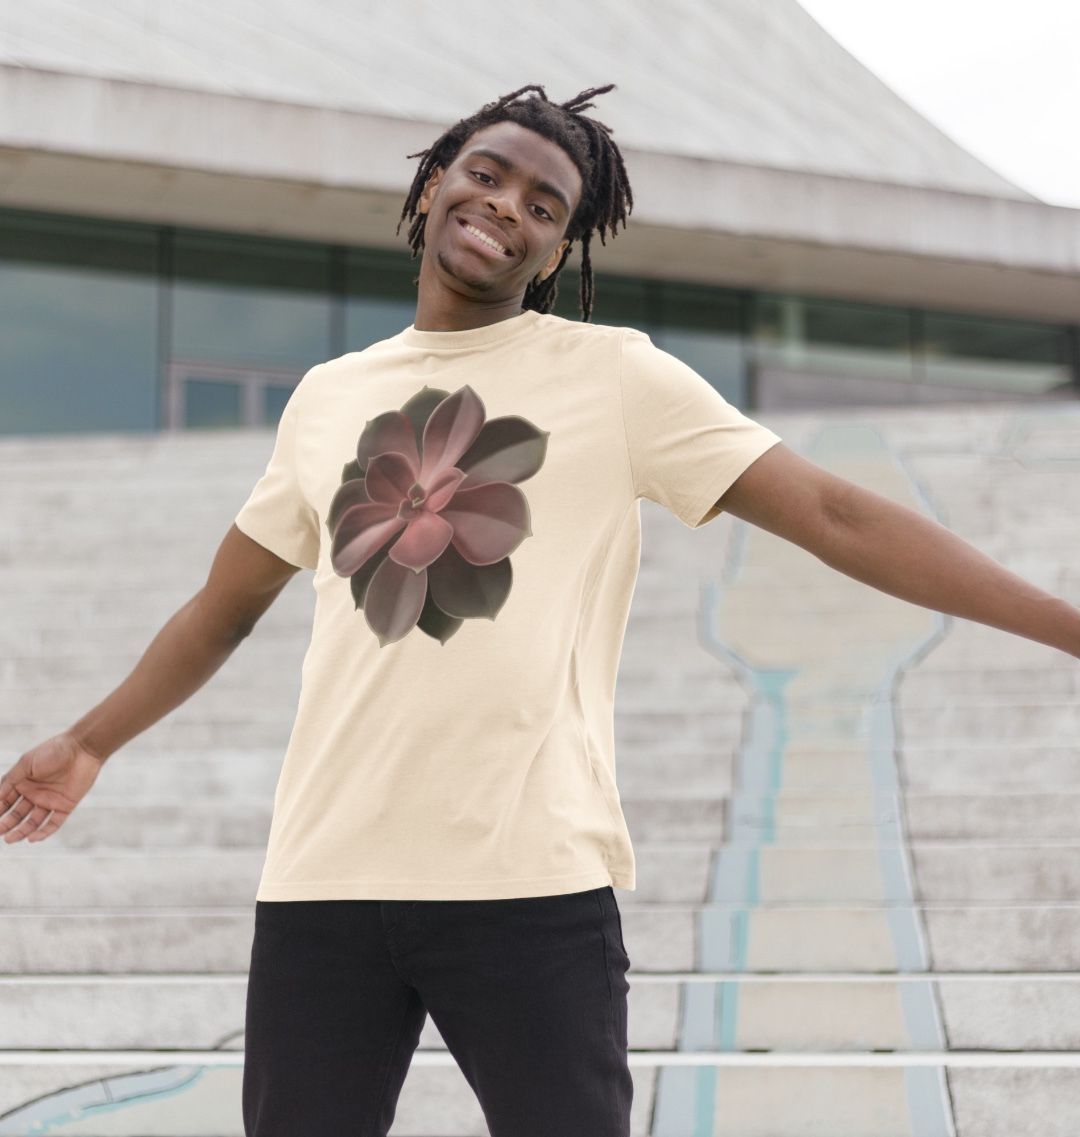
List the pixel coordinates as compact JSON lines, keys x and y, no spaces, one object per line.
{"x":686,"y":442}
{"x":276,"y":513}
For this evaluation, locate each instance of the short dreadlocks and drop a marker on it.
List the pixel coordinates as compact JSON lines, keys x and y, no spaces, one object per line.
{"x":606,"y":198}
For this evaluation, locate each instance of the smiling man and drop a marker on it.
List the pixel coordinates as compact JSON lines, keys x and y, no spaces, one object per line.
{"x":447,"y":829}
{"x":496,"y":221}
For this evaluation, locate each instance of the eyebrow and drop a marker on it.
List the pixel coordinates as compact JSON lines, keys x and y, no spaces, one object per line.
{"x":510,"y":168}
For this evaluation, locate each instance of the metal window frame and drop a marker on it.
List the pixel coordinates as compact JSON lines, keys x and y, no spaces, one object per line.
{"x":252,"y":382}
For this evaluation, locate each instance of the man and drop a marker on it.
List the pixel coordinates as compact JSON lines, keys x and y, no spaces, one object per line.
{"x":447,"y":829}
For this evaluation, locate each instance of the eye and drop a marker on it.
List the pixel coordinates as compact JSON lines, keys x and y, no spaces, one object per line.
{"x":482,"y":174}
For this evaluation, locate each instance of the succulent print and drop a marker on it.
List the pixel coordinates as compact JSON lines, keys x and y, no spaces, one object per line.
{"x":427,"y":515}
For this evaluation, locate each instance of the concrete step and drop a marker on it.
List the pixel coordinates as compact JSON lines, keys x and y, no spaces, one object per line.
{"x":286,"y":642}
{"x":143,"y":611}
{"x":643,"y":772}
{"x":932,"y":768}
{"x":685,"y":1014}
{"x":81,"y":678}
{"x":798,"y":818}
{"x":992,"y":766}
{"x":659,"y":937}
{"x":959,"y":727}
{"x":776,"y":1096}
{"x":928,"y":685}
{"x":34,"y":684}
{"x":58,"y":876}
{"x":135,"y":774}
{"x":235,"y":823}
{"x":121,"y":820}
{"x":1000,"y":720}
{"x":216,"y":699}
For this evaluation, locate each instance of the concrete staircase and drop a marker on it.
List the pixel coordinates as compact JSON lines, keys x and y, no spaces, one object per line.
{"x":856,"y":821}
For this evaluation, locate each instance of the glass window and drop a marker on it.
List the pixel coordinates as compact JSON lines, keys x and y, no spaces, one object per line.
{"x":619,"y":301}
{"x":78,"y":325}
{"x":210,"y":404}
{"x":1010,"y":356}
{"x":274,"y":396}
{"x":250,"y":301}
{"x":257,"y":308}
{"x":868,"y":341}
{"x":703,"y":327}
{"x":380,"y":296}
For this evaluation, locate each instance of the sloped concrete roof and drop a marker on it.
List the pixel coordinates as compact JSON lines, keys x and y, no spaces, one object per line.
{"x":756,"y":82}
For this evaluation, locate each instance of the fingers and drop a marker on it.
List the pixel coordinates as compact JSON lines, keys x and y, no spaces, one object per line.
{"x":27,"y":824}
{"x":48,"y":828}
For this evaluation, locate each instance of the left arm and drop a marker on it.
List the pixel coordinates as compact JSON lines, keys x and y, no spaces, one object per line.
{"x":894,"y":549}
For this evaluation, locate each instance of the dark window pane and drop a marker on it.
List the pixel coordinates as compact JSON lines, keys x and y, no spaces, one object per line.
{"x":209,"y":404}
{"x":78,"y":325}
{"x":380,"y":296}
{"x":826,"y":337}
{"x":275,"y":396}
{"x":619,"y":301}
{"x":996,"y":354}
{"x":53,"y":238}
{"x":810,"y":353}
{"x":250,"y":301}
{"x":858,"y":325}
{"x":701,"y":326}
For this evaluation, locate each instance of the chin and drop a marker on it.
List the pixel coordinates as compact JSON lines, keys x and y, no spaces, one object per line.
{"x":479,"y":285}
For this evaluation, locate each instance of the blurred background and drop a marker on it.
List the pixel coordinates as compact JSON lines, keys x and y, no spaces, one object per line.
{"x":198,"y":201}
{"x":856,"y":821}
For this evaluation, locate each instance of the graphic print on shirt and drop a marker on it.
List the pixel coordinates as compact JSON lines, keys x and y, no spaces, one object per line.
{"x":427,"y":514}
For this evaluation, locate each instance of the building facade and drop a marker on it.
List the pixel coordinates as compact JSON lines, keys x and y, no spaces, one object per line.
{"x":179,"y":242}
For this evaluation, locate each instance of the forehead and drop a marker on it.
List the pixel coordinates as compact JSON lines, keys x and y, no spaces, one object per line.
{"x":533,"y":154}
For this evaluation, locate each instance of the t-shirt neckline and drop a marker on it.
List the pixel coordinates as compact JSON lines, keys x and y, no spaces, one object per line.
{"x":470,"y":337}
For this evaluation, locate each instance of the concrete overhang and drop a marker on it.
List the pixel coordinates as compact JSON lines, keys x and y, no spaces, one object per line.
{"x":135,"y":151}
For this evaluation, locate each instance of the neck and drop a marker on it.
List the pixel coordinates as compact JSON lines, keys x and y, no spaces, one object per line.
{"x":443,"y":318}
{"x":440,"y":308}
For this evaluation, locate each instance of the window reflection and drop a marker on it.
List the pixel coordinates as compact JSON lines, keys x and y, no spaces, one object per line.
{"x":865,"y":341}
{"x":246,"y":306}
{"x":274,"y":398}
{"x":617,"y":300}
{"x":78,"y":325}
{"x":380,"y":297}
{"x":1009,"y":356}
{"x":96,"y":335}
{"x":208,"y":404}
{"x":703,"y":328}
{"x":250,"y":301}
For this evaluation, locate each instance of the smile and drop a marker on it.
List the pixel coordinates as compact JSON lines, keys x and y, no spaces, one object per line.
{"x":484,"y":241}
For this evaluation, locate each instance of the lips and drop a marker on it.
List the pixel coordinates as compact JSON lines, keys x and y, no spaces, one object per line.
{"x":494,"y":235}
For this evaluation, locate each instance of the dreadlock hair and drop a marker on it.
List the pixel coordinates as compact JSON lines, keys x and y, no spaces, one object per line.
{"x":606,"y":198}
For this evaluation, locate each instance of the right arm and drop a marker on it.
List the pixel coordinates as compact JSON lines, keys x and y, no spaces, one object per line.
{"x":244,"y":580}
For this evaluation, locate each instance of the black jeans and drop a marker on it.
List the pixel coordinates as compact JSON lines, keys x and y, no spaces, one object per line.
{"x":529,"y":995}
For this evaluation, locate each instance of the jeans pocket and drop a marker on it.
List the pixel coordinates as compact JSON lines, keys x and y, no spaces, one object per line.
{"x":610,"y":895}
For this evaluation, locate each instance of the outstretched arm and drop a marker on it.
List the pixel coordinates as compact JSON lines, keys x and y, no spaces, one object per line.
{"x":894,"y":549}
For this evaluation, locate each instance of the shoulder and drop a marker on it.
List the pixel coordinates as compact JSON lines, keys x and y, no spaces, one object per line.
{"x":583,"y":331}
{"x":327,"y":371}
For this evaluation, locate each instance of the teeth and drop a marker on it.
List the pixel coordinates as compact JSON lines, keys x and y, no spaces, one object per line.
{"x":484,"y":237}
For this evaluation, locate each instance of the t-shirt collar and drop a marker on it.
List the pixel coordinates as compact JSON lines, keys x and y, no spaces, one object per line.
{"x":470,"y":337}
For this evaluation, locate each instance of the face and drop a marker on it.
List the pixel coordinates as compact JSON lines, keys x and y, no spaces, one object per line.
{"x":525,"y":209}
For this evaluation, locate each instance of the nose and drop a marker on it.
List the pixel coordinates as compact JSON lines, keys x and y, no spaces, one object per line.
{"x":504,"y":207}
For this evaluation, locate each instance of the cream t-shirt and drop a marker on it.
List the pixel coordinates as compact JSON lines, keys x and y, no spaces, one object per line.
{"x":469,"y":503}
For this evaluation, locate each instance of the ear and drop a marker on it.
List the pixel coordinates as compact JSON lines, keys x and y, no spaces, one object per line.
{"x":553,"y":261}
{"x":427,"y":195}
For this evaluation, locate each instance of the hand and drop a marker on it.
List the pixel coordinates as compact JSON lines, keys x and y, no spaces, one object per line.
{"x":56,"y":775}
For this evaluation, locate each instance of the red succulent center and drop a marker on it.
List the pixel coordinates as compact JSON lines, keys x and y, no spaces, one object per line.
{"x":414,"y":502}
